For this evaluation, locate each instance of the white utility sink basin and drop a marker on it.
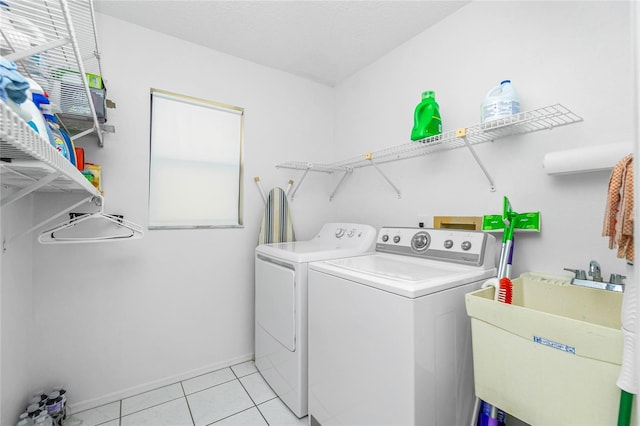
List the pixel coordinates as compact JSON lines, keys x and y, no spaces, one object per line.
{"x":553,"y":356}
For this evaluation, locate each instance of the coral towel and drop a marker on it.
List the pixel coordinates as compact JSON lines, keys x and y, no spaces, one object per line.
{"x":618,"y":217}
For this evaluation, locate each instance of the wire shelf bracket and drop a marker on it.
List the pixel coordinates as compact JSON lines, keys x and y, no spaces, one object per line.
{"x":346,"y":173}
{"x":461,"y":133}
{"x":306,"y":167}
{"x":295,"y":188}
{"x":395,"y":188}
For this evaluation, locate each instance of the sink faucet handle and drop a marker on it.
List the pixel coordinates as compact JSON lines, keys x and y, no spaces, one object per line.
{"x":580,"y":274}
{"x":617,"y":279}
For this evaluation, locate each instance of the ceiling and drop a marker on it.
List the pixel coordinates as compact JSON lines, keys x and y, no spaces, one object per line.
{"x":325,"y":41}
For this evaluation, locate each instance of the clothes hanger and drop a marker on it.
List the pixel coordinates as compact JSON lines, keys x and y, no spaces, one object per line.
{"x":133,"y":230}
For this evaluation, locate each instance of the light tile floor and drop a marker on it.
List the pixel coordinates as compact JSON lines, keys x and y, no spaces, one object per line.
{"x":237,"y":395}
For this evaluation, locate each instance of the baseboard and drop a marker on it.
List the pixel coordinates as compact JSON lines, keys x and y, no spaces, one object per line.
{"x":145,"y":387}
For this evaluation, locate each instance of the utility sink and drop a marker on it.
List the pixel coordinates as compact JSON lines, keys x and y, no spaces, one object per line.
{"x":551,"y":357}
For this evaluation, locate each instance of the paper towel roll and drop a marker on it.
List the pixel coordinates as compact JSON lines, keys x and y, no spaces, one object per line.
{"x":586,"y":159}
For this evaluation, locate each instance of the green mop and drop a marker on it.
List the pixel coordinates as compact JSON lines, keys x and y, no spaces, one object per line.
{"x":508,"y":222}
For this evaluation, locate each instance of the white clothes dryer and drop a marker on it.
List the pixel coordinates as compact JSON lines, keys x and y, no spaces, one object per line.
{"x":389,"y":337}
{"x":281,"y":304}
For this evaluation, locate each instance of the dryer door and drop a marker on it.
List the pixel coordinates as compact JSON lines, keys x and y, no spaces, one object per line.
{"x":275,"y":301}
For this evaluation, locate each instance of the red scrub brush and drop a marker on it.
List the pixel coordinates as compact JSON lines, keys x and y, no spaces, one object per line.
{"x":505,"y":293}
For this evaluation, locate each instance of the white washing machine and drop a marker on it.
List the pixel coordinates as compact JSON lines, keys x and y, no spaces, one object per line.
{"x":281,"y":304}
{"x":389,"y":338}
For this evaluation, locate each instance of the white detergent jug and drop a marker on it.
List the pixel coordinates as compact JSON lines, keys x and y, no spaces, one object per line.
{"x":28,"y":107}
{"x":501,"y":101}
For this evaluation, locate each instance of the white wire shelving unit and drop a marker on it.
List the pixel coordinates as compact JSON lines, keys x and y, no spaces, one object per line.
{"x":29,"y":163}
{"x":544,"y":118}
{"x":54,"y":42}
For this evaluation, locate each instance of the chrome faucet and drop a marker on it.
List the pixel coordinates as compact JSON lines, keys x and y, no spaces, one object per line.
{"x":594,"y":271}
{"x":616,"y":282}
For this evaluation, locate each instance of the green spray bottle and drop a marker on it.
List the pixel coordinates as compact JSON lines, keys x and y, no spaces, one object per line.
{"x":426,"y":120}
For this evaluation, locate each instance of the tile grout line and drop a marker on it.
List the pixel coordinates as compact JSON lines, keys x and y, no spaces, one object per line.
{"x":231,"y":415}
{"x":251,"y":398}
{"x":151,"y":406}
{"x":188,"y":406}
{"x":184,"y":395}
{"x":210,"y":387}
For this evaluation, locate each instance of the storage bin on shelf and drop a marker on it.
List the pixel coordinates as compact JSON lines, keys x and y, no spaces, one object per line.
{"x":553,"y":355}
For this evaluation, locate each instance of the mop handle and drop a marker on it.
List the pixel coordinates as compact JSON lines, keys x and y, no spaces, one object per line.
{"x":503,"y":270}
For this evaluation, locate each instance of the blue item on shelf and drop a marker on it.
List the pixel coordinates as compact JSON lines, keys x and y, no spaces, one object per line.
{"x":12,"y":82}
{"x":52,"y":138}
{"x":44,"y":105}
{"x":59,"y":141}
{"x":71,"y":149}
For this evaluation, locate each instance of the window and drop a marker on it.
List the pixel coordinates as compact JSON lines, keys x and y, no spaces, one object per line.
{"x":195,"y":168}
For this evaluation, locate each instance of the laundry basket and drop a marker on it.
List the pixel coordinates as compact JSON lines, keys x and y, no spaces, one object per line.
{"x":551,"y":357}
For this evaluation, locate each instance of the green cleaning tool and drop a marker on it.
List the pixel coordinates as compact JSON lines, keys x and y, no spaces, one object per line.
{"x":509,"y":221}
{"x":626,"y":406}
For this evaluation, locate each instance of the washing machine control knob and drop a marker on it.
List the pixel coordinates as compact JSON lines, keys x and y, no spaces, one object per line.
{"x":448,"y":244}
{"x":351,"y":233}
{"x":385,"y":238}
{"x":466,"y":245}
{"x":340,"y":232}
{"x":420,"y":241}
{"x":396,"y":239}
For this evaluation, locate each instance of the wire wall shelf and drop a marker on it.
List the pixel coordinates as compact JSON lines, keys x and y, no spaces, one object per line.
{"x":30,"y":163}
{"x":545,"y":118}
{"x":54,"y":43}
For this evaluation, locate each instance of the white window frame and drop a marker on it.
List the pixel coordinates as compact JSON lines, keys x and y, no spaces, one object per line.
{"x":195,"y":163}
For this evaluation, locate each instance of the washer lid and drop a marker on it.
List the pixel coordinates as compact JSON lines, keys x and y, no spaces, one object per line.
{"x":333,"y":241}
{"x":403,"y":275}
{"x":309,"y":251}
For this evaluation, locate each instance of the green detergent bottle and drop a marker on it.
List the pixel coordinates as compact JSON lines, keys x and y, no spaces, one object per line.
{"x":426,"y":121}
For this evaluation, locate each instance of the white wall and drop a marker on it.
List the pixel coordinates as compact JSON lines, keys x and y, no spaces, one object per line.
{"x":16,"y":310}
{"x":140,"y":314}
{"x":574,"y":53}
{"x":143,"y":313}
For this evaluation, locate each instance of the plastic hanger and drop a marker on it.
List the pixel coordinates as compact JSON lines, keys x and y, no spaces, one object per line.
{"x":55,"y":235}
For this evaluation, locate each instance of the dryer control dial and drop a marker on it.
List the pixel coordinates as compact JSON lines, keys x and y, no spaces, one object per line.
{"x":448,"y":244}
{"x":396,"y":239}
{"x":420,"y":241}
{"x":340,"y":232}
{"x":351,"y":233}
{"x":466,"y":245}
{"x":385,"y":238}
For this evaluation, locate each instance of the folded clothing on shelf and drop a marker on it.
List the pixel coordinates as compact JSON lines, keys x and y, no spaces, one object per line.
{"x":12,"y":84}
